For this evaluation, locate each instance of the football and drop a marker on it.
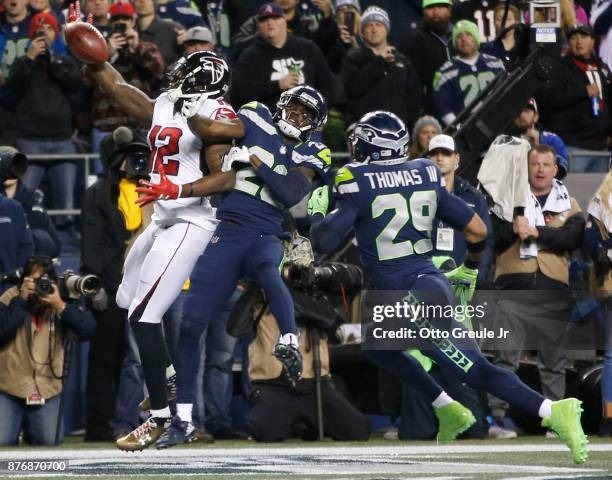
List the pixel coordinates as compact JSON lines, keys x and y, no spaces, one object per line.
{"x":85,"y":42}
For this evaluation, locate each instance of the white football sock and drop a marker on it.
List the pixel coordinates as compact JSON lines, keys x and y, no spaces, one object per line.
{"x":163,"y":413}
{"x":442,"y":400}
{"x":184,"y":410}
{"x":545,"y":409}
{"x":170,"y":371}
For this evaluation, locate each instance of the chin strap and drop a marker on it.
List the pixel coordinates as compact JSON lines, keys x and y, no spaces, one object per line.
{"x":289,"y":130}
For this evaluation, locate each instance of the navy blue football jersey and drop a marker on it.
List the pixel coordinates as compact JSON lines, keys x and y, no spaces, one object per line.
{"x":251,"y":203}
{"x":394,"y":207}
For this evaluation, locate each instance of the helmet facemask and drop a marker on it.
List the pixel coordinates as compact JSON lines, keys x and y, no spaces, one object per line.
{"x":296,"y":119}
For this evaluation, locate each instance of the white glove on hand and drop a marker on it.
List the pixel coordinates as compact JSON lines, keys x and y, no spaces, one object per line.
{"x":235,"y":155}
{"x":99,"y":301}
{"x":192,"y":106}
{"x":174,"y":94}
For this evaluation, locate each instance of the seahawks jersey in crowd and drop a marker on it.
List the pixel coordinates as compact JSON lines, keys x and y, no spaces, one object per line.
{"x":392,"y":208}
{"x":458,"y":83}
{"x":251,"y":203}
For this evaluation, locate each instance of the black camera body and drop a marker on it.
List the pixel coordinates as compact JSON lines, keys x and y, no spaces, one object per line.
{"x":12,"y":165}
{"x":119,"y":28}
{"x":71,"y":286}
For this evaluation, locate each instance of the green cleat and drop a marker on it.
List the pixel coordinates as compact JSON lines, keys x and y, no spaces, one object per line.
{"x":565,"y":422}
{"x":453,"y":419}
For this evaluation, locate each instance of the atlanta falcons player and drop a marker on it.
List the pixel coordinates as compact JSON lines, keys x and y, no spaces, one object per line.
{"x":163,"y":256}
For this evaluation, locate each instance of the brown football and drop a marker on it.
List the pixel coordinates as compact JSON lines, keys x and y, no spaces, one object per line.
{"x":85,"y":42}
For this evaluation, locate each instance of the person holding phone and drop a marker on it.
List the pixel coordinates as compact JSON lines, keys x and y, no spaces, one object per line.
{"x":378,"y":77}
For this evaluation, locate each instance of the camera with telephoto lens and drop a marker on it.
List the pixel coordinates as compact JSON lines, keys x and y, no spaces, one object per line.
{"x":331,"y":277}
{"x":71,"y":285}
{"x":12,"y":278}
{"x":12,"y":165}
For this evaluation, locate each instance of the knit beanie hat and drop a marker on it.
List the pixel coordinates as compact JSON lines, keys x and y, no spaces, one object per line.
{"x":467,"y":27}
{"x":375,"y":14}
{"x":423,"y":122}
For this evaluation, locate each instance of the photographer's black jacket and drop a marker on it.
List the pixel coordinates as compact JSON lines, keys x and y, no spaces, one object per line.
{"x":15,"y":237}
{"x":104,"y":236}
{"x":43,"y":87}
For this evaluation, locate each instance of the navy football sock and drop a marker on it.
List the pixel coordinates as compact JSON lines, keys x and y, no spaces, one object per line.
{"x":504,"y":384}
{"x":279,"y":298}
{"x":408,"y":370}
{"x":188,"y":358}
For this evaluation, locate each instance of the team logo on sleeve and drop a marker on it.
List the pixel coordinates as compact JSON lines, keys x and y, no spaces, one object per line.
{"x":224,"y":113}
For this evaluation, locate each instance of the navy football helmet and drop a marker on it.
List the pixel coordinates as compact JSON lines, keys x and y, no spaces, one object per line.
{"x":198,"y":73}
{"x":291,"y":123}
{"x":380,"y":136}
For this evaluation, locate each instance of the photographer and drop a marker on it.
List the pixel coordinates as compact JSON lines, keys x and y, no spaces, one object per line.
{"x":294,"y":408}
{"x":110,"y":219}
{"x":43,"y":231}
{"x":34,"y":323}
{"x":42,"y":80}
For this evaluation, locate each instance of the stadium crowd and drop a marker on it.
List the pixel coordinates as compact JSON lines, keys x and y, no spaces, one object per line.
{"x":423,"y":60}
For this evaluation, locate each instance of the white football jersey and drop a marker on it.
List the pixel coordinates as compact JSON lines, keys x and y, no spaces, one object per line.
{"x":174,"y":144}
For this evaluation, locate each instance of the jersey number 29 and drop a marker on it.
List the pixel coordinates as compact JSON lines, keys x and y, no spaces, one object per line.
{"x":421,"y":208}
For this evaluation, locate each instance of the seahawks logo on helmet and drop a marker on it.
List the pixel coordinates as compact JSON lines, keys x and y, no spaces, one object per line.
{"x":380,"y":136}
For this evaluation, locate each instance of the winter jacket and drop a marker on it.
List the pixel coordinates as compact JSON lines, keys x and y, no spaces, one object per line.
{"x":261,"y":66}
{"x":15,"y":236}
{"x":372,"y":83}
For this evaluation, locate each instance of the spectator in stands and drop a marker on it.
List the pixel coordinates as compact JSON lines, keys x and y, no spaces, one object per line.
{"x":14,"y":40}
{"x":345,"y":36}
{"x":279,"y":411}
{"x":34,"y":327}
{"x":429,"y":46}
{"x":576,"y":102}
{"x":44,"y":6}
{"x":601,"y":19}
{"x":446,"y":241}
{"x":198,"y":39}
{"x":278,"y":61}
{"x":139,"y":62}
{"x":460,"y":81}
{"x":180,"y":12}
{"x":42,"y":81}
{"x":532,"y":254}
{"x":152,"y":29}
{"x":598,"y":242}
{"x":42,"y":229}
{"x":109,"y":218}
{"x":424,"y":130}
{"x":504,"y":48}
{"x":99,"y":10}
{"x":378,"y":77}
{"x":317,"y":26}
{"x":526,"y":126}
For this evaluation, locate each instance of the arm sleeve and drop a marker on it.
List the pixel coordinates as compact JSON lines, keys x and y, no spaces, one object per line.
{"x":444,"y":96}
{"x":327,"y":235}
{"x":11,"y":318}
{"x":288,"y":189}
{"x":563,"y":239}
{"x":78,"y":320}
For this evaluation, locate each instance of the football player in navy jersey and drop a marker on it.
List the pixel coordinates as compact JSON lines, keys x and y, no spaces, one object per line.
{"x":392,"y":202}
{"x":273,"y":165}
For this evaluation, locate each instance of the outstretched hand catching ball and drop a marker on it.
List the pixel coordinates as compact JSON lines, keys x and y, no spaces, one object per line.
{"x":83,"y":39}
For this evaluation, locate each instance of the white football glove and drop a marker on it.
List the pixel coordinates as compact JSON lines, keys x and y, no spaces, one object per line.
{"x":235,"y":155}
{"x":174,"y":94}
{"x":192,"y":106}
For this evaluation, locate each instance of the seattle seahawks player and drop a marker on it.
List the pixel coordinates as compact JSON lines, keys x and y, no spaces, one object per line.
{"x":392,"y":203}
{"x":275,"y":164}
{"x":163,"y":256}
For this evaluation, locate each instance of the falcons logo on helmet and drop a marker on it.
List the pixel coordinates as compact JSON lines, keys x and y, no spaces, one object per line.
{"x":215,"y":66}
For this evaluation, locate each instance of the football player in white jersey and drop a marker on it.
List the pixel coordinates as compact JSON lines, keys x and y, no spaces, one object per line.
{"x":163,"y":256}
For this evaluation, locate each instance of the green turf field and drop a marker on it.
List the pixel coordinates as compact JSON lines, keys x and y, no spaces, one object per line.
{"x":528,"y":458}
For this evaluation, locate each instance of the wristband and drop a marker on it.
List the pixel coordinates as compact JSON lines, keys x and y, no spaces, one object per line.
{"x":476,"y":247}
{"x":469,"y":263}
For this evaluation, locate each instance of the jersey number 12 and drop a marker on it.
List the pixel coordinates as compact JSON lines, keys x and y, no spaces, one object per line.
{"x":170,"y":136}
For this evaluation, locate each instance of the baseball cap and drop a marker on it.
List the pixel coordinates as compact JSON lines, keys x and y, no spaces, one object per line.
{"x":467,"y":27}
{"x":121,"y":9}
{"x":41,"y":19}
{"x":375,"y":14}
{"x":429,"y":3}
{"x":445,"y":142}
{"x":269,"y":10}
{"x":580,"y":28}
{"x":199,"y":34}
